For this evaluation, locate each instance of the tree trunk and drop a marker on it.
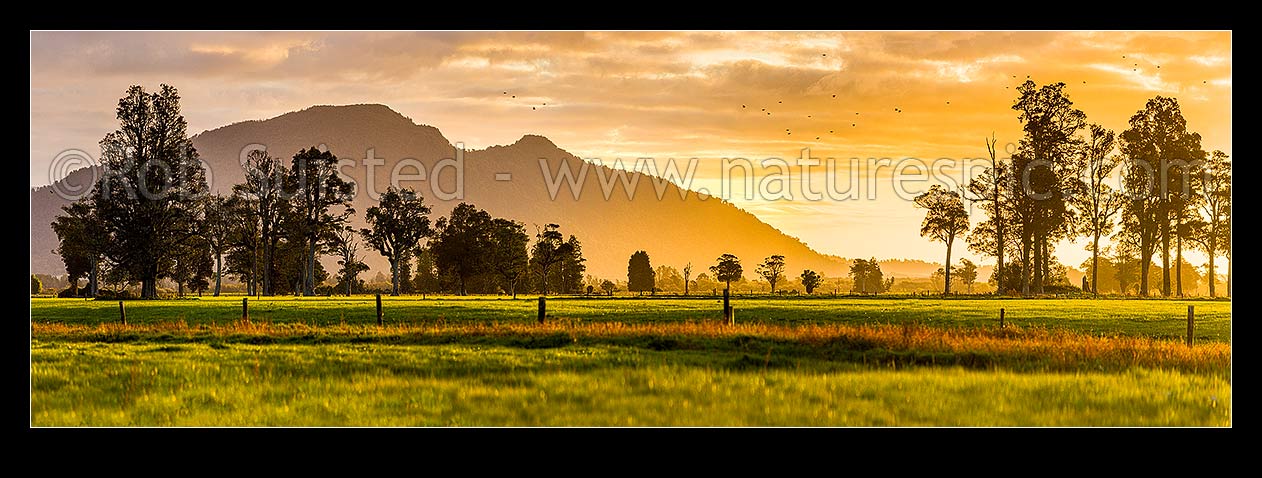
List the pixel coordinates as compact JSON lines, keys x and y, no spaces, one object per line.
{"x":218,"y":272}
{"x":92,"y":278}
{"x":1165,"y":256}
{"x":1038,"y":266}
{"x":179,"y":286}
{"x":1212,"y":279}
{"x":394,"y":276}
{"x":946,"y":290}
{"x":1095,"y":265}
{"x":267,"y":259}
{"x":1178,"y":263}
{"x":1025,"y":267}
{"x":308,"y":288}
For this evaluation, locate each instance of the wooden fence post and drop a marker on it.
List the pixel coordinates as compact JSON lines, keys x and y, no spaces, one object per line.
{"x":1191,"y":319}
{"x":1001,"y":317}
{"x":122,"y":313}
{"x":245,"y":309}
{"x":543,"y":308}
{"x":379,"y":321}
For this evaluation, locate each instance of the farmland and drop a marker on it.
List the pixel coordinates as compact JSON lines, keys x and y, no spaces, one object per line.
{"x":484,"y":361}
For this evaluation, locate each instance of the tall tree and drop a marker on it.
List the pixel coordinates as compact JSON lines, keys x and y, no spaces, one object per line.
{"x":463,"y":243}
{"x":318,"y":189}
{"x":147,"y":195}
{"x":667,"y":278}
{"x":508,"y":256}
{"x":945,"y":218}
{"x":772,"y":270}
{"x":570,"y":270}
{"x":1214,"y":203}
{"x":727,"y":269}
{"x":397,"y":225}
{"x":1161,"y":149}
{"x":640,"y":274}
{"x":1100,"y":203}
{"x":1047,"y":170}
{"x":263,"y":189}
{"x":967,"y":273}
{"x":244,"y":241}
{"x":687,"y":276}
{"x":993,"y":236}
{"x":549,"y":249}
{"x":868,"y":278}
{"x":811,"y":280}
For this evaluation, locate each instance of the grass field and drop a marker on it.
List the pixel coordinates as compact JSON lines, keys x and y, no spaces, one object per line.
{"x":630,"y":362}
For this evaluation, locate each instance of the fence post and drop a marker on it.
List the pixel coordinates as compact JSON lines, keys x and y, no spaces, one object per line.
{"x":379,"y":321}
{"x":1001,"y":317}
{"x":543,"y":308}
{"x":1191,"y":319}
{"x":122,"y":313}
{"x":245,"y":309}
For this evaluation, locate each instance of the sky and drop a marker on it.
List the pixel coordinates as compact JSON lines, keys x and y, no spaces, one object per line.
{"x":699,"y":96}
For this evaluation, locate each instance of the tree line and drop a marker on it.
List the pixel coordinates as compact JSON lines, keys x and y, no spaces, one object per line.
{"x":151,"y":217}
{"x":1055,"y":186}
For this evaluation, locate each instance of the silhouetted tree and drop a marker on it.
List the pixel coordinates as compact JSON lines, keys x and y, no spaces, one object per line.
{"x":811,"y":280}
{"x":607,"y":286}
{"x":868,"y":278}
{"x":463,"y":243}
{"x":571,"y":268}
{"x":146,"y":198}
{"x":1100,"y":202}
{"x":263,"y":191}
{"x":1161,"y":150}
{"x":317,"y":186}
{"x":666,"y":278}
{"x":397,"y":225}
{"x":426,"y":277}
{"x":727,"y":270}
{"x":549,"y":249}
{"x":945,"y":218}
{"x":508,"y":256}
{"x":216,"y":228}
{"x":79,"y":244}
{"x":772,"y":269}
{"x":1211,"y":232}
{"x":36,"y":285}
{"x":640,"y":274}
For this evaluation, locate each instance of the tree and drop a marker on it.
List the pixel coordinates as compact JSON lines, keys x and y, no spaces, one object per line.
{"x":1156,"y":141}
{"x":640,"y":274}
{"x":1100,"y":202}
{"x":79,"y":244}
{"x":667,"y":278}
{"x":992,"y":237}
{"x":317,"y":189}
{"x":1214,"y":202}
{"x":218,"y":220}
{"x":727,"y":270}
{"x":945,"y":218}
{"x":607,"y":286}
{"x":36,"y":285}
{"x":1047,"y":171}
{"x":426,"y":277}
{"x":397,"y":224}
{"x":549,"y":249}
{"x":967,"y":273}
{"x":571,"y":268}
{"x":146,"y":197}
{"x":811,"y":280}
{"x":687,"y":275}
{"x":347,"y":248}
{"x":263,"y":191}
{"x":772,"y":269}
{"x":868,"y":278}
{"x":1126,"y":263}
{"x":463,"y":243}
{"x":508,"y":256}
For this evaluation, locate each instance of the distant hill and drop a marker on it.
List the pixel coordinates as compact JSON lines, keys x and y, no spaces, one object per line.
{"x":673,"y":230}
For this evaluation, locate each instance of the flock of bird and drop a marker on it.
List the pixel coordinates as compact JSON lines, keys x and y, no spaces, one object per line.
{"x":789,"y":132}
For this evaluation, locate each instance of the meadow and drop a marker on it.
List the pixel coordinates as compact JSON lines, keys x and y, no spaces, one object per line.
{"x":484,"y":361}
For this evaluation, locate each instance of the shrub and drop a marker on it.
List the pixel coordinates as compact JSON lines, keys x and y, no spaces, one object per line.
{"x":36,"y":285}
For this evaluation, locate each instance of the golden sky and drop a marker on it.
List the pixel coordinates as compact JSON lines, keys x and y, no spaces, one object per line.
{"x":662,"y":95}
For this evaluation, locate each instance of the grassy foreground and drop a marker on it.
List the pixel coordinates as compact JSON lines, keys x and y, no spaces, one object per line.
{"x":629,"y":362}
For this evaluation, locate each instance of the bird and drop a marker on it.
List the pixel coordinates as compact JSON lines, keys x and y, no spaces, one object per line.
{"x":532,"y":108}
{"x":1158,"y":67}
{"x":786,"y":129}
{"x":834,"y":96}
{"x":742,"y":106}
{"x":1123,"y":56}
{"x":830,"y":131}
{"x":1204,"y":82}
{"x":545,"y":104}
{"x":506,"y":92}
{"x":1084,"y":82}
{"x":514,"y":96}
{"x":825,"y":54}
{"x":817,"y":138}
{"x":788,"y":133}
{"x":856,"y":112}
{"x":764,"y":109}
{"x":768,"y":113}
{"x":853,"y":124}
{"x":948,"y":102}
{"x":808,"y":116}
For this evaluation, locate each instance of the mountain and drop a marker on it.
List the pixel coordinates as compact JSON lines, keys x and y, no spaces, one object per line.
{"x":674,"y":230}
